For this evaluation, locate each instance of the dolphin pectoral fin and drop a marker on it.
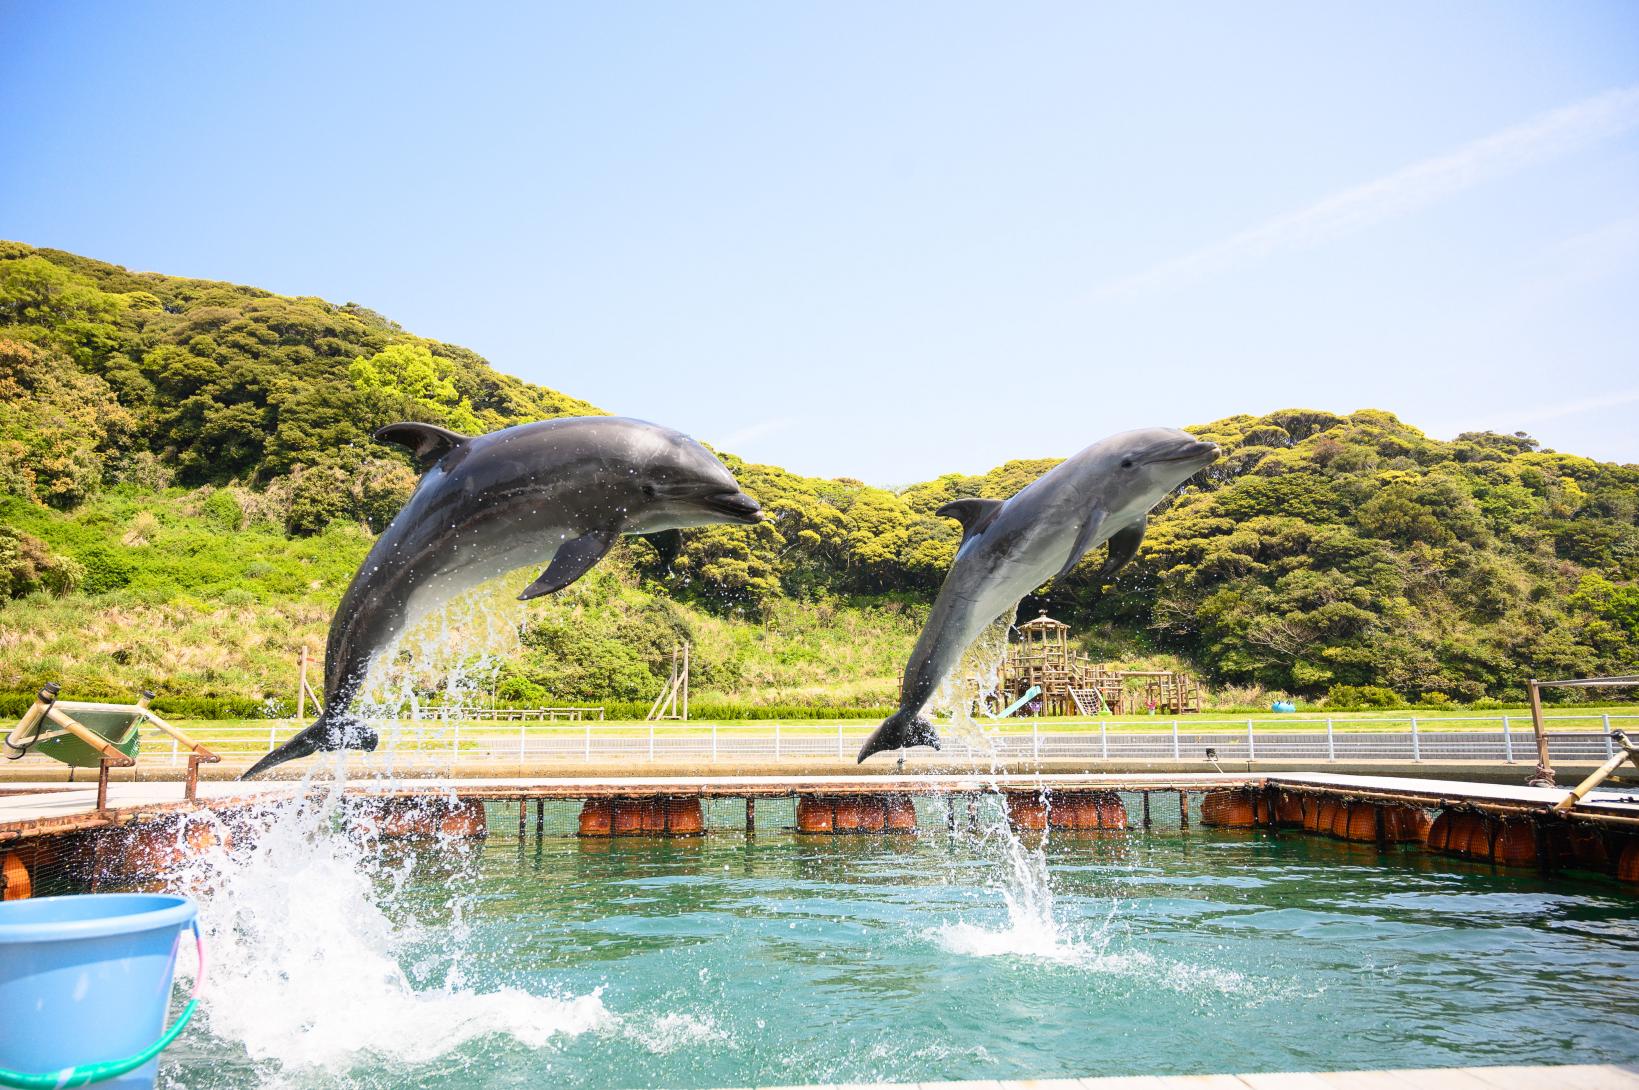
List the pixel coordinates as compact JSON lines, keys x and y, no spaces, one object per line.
{"x":899,"y":731}
{"x":1123,"y":547}
{"x":667,"y":544}
{"x":426,"y":442}
{"x":974,"y":515}
{"x":573,"y":560}
{"x":1084,"y":541}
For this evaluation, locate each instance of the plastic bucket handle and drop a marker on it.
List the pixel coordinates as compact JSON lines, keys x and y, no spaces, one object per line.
{"x":89,"y":1073}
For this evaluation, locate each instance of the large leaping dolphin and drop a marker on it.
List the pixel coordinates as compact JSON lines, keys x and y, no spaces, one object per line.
{"x":558,"y":490}
{"x":1011,"y":547}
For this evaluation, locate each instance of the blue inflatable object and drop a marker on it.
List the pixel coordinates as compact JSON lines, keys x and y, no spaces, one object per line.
{"x":1283,"y":706}
{"x":85,"y":982}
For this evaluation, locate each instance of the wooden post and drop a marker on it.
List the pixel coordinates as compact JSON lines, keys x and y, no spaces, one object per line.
{"x":1183,"y":809}
{"x":1544,"y":776}
{"x":102,"y":784}
{"x":540,"y":817}
{"x":751,"y":815}
{"x":1146,"y":809}
{"x":523,"y":808}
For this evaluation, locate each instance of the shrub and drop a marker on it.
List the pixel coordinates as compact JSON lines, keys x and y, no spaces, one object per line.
{"x":1363,"y":696}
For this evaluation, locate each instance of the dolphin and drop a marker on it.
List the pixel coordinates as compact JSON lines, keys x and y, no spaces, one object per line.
{"x":557,"y":491}
{"x":1011,"y":547}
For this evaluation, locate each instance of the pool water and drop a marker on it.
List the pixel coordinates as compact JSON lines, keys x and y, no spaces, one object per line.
{"x":730,"y":960}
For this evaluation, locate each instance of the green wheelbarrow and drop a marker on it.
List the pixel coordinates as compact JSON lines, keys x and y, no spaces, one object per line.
{"x":85,"y":734}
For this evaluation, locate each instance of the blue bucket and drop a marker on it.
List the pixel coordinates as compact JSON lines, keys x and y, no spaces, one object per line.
{"x":86,"y":980}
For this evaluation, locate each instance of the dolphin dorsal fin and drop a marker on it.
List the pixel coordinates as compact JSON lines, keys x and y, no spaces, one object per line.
{"x":974,"y":515}
{"x":426,"y":442}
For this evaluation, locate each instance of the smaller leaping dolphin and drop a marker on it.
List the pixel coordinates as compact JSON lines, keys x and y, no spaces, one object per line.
{"x":1011,"y":547}
{"x":556,"y":490}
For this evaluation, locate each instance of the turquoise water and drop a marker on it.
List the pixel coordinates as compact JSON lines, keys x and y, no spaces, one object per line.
{"x":734,"y":961}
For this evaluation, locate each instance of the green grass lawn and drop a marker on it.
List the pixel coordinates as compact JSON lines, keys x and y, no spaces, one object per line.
{"x":251,"y":735}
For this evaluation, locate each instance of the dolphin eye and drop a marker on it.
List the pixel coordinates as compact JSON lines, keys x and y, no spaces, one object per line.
{"x":1126,"y":463}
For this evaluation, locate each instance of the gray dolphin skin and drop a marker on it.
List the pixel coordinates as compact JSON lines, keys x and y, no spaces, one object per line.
{"x":558,"y":491}
{"x":1011,"y":547}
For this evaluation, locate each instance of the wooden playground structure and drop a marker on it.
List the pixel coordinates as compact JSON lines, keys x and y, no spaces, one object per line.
{"x":1071,"y":683}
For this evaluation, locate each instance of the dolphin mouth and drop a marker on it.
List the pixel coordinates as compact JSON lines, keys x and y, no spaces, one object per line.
{"x":1202,"y":452}
{"x":737,"y":505}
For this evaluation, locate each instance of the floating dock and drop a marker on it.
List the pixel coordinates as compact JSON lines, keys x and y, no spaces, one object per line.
{"x":56,"y":830}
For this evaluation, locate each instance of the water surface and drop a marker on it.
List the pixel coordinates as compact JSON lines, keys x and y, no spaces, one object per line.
{"x":732,"y":961}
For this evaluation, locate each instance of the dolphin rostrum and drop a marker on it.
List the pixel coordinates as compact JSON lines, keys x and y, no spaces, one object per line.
{"x":1011,"y":547}
{"x":557,"y":490}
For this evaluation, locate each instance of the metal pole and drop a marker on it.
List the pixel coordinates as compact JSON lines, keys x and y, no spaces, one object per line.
{"x":1416,"y":747}
{"x":1610,"y":743}
{"x":1544,"y":776}
{"x":651,"y":738}
{"x":840,"y":754}
{"x":1035,"y":740}
{"x":1104,"y":737}
{"x":685,"y":681}
{"x":1331,"y":741}
{"x":1177,"y":753}
{"x":588,"y":741}
{"x":714,"y":742}
{"x":301,"y":687}
{"x":1251,"y":751}
{"x":776,"y":739}
{"x":1507,"y":741}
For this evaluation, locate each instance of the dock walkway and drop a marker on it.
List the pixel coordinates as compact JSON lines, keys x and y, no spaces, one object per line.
{"x":47,"y":808}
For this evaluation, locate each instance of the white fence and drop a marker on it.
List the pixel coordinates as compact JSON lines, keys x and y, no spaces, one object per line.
{"x":1508,"y":739}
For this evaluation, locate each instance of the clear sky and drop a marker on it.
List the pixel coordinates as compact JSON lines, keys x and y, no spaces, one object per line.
{"x":890,"y":240}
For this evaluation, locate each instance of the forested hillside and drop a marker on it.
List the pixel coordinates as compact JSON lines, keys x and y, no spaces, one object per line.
{"x":187,"y":480}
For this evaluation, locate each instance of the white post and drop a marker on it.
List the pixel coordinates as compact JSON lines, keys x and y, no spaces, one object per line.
{"x":174,"y":751}
{"x":270,"y":742}
{"x":520,"y":746}
{"x":714,"y":742}
{"x":1416,"y":747}
{"x":1035,"y":739}
{"x":776,"y":739}
{"x":1177,"y":754}
{"x":1251,"y":750}
{"x":1331,"y":741}
{"x":588,"y":741}
{"x":455,"y":743}
{"x":840,"y":754}
{"x":1610,"y":743}
{"x":651,"y":738}
{"x":1507,"y":741}
{"x":1104,"y":737}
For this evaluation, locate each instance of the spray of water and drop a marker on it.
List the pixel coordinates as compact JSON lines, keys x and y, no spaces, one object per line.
{"x":311,"y":936}
{"x":1019,"y":874}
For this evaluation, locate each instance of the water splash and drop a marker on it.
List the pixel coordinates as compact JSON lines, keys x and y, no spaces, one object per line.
{"x":309,"y":949}
{"x":317,"y":958}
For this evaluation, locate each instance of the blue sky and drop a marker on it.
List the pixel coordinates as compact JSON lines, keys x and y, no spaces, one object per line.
{"x":890,"y":240}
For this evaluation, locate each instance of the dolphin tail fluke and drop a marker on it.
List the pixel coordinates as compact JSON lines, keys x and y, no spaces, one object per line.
{"x":329,"y":732}
{"x":900,"y":731}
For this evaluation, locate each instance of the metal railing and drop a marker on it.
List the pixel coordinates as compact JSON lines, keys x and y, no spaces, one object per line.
{"x":540,"y":715}
{"x":445,"y":742}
